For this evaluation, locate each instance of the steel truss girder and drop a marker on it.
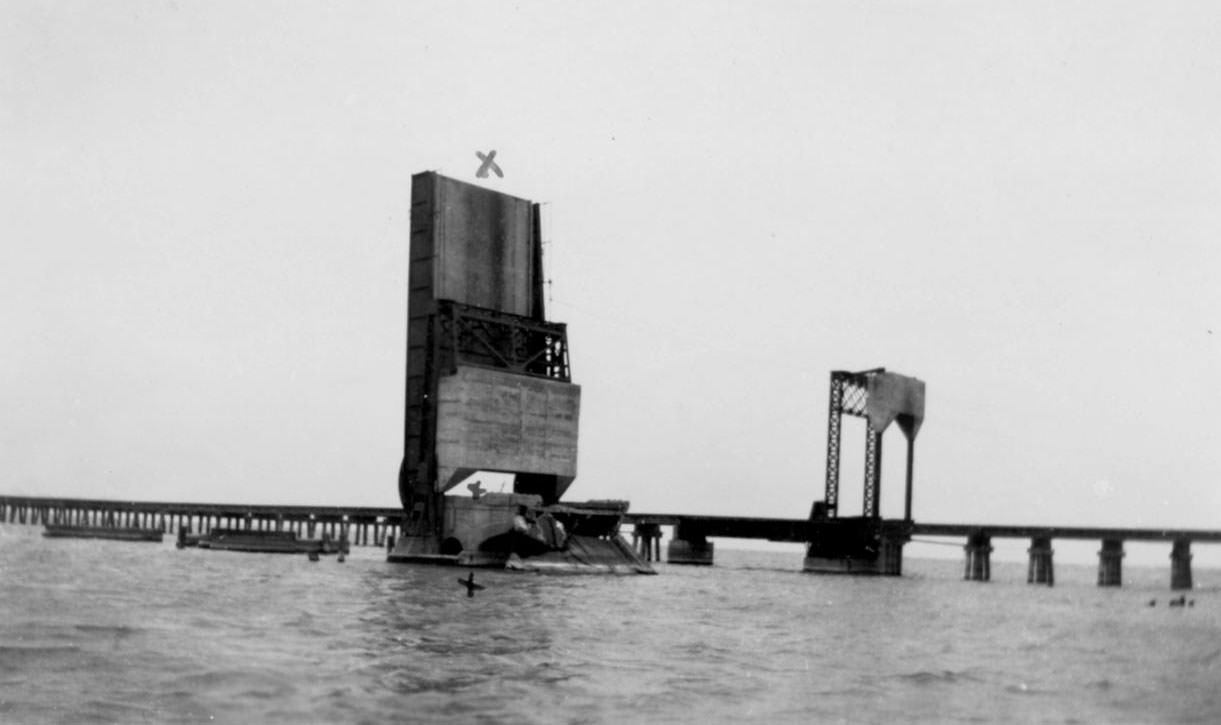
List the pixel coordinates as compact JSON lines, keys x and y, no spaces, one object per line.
{"x":488,"y":338}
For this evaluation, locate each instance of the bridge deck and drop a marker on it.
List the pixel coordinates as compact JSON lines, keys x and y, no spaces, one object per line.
{"x":739,"y":527}
{"x":797,"y":530}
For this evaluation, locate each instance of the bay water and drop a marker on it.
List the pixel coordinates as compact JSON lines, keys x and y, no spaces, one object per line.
{"x":118,"y":632}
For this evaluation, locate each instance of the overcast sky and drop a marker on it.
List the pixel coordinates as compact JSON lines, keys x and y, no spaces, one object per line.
{"x":205,"y":217}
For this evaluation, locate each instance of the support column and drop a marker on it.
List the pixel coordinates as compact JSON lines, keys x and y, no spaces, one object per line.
{"x":1041,"y":570}
{"x":645,"y":540}
{"x":689,"y":546}
{"x":1180,"y":564}
{"x":1110,"y":563}
{"x":890,"y":555}
{"x":979,"y":557}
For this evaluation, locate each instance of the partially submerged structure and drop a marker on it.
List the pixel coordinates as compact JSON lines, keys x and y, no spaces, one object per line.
{"x":115,"y":533}
{"x":263,"y":542}
{"x":489,"y":389}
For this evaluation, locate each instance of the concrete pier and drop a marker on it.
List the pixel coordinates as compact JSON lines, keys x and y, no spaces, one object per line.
{"x":1110,"y":563}
{"x":689,"y":546}
{"x":1040,"y":570}
{"x":890,"y":555}
{"x":1180,"y":564}
{"x":686,"y":551}
{"x":978,"y":557}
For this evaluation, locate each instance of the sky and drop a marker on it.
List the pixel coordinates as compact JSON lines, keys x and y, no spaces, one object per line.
{"x":206,"y":216}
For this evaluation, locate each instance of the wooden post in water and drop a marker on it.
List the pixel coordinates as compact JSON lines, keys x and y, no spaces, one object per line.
{"x":1180,"y":564}
{"x":1110,"y":563}
{"x":1040,"y":570}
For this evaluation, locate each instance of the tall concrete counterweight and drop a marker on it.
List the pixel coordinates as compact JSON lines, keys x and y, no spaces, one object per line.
{"x":488,"y":383}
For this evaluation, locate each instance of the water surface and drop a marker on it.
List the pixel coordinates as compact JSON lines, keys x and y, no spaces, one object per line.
{"x":116,"y":632}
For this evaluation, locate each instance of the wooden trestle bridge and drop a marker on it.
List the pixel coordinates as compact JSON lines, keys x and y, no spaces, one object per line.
{"x":363,"y":526}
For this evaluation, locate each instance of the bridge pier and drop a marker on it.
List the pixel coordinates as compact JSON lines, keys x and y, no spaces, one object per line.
{"x":646,"y":541}
{"x":1110,"y":563}
{"x":979,"y":557}
{"x":689,"y":546}
{"x":890,"y":555}
{"x":1040,"y":570}
{"x":1180,"y":564}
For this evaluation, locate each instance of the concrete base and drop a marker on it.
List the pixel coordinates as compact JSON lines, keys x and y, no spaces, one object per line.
{"x":418,"y":550}
{"x":1180,"y":565}
{"x":680,"y":551}
{"x":825,"y":565}
{"x":890,"y":557}
{"x":424,"y":550}
{"x":856,"y":546}
{"x":978,"y":558}
{"x":888,"y":562}
{"x":1110,"y":563}
{"x":589,"y":555}
{"x":1040,"y":569}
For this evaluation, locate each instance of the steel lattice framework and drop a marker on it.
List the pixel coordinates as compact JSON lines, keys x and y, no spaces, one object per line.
{"x":849,"y":395}
{"x":482,"y":337}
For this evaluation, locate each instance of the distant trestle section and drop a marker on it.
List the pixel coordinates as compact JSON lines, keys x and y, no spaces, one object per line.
{"x":1040,"y":570}
{"x":977,"y":548}
{"x":359,"y":526}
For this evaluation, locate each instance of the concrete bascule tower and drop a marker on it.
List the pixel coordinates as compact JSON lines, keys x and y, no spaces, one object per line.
{"x":489,"y":389}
